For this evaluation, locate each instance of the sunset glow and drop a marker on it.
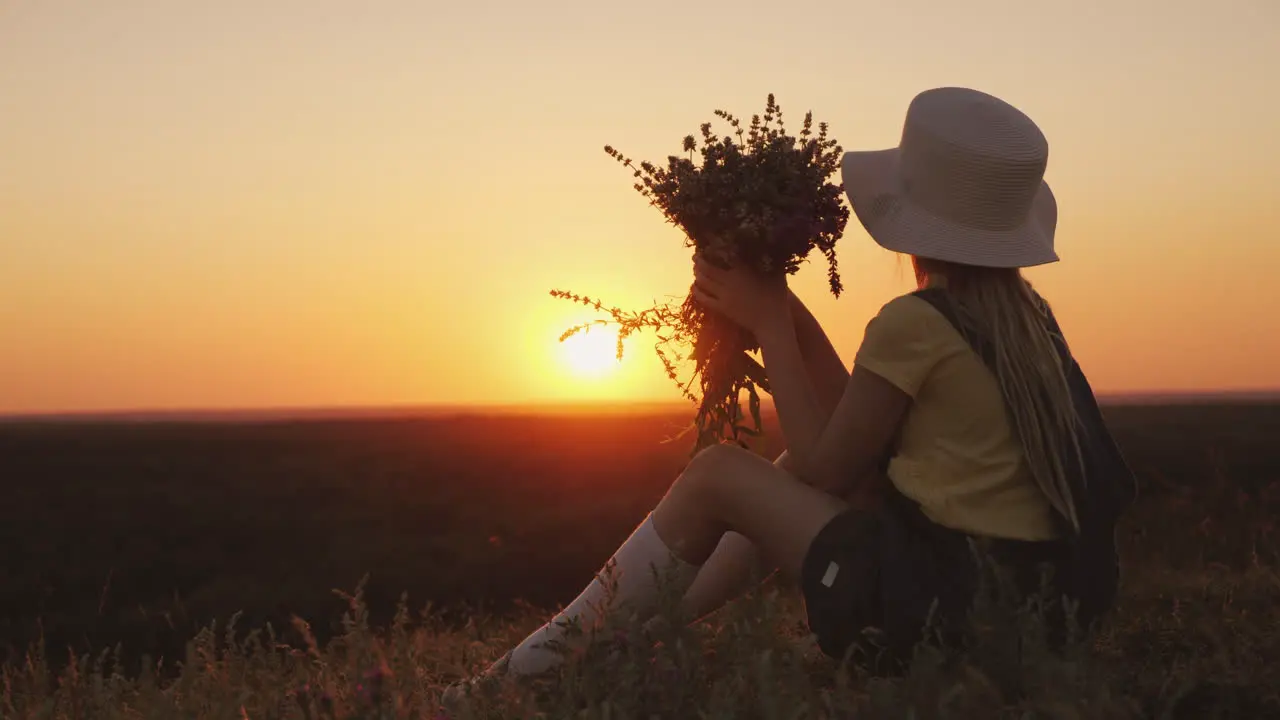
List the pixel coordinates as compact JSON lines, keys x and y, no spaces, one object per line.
{"x":236,"y":204}
{"x":591,"y":353}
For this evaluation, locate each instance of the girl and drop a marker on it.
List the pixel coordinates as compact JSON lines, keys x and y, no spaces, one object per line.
{"x":963,"y":412}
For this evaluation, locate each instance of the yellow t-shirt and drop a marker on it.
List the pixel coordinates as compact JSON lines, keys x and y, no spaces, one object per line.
{"x":956,"y":456}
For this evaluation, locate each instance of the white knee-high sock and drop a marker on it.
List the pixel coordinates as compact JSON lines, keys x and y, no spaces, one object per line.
{"x":636,"y":586}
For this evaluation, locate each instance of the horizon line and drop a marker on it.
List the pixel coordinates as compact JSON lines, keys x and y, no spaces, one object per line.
{"x":552,"y":407}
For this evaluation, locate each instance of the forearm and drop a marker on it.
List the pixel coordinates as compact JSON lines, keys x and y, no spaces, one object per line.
{"x":826,"y":370}
{"x":801,"y":411}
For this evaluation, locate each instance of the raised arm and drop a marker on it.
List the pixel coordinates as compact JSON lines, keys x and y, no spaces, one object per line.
{"x":836,"y":435}
{"x":835,"y":450}
{"x":828,"y":373}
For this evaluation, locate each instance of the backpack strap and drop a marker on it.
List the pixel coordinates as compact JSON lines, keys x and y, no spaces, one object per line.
{"x":941,"y":301}
{"x":1122,"y":486}
{"x":1103,"y":485}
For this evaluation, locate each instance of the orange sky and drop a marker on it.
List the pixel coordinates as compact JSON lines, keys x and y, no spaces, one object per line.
{"x":311,"y":204}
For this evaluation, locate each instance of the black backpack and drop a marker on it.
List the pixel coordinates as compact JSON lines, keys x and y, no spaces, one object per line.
{"x":1103,"y":486}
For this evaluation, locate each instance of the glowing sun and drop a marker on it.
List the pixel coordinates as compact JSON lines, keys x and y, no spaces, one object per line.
{"x":591,"y":353}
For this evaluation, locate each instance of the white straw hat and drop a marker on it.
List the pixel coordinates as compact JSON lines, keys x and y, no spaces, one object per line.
{"x":965,"y":184}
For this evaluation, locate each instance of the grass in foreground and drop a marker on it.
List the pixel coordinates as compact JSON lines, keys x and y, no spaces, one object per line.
{"x":1182,"y":647}
{"x":1196,"y":635}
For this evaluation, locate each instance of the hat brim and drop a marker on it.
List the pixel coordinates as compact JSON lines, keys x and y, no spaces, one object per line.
{"x":872,"y":181}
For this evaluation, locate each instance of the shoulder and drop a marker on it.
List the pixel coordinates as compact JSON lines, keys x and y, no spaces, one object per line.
{"x":908,"y":306}
{"x":907,"y":316}
{"x":904,"y":341}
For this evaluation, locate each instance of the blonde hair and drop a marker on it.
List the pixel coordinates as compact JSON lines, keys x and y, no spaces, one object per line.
{"x":1001,"y":305}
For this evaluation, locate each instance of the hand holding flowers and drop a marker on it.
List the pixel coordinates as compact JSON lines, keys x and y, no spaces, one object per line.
{"x":760,"y":201}
{"x":743,"y":295}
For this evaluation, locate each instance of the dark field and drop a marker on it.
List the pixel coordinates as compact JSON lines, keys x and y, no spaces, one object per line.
{"x":141,"y":534}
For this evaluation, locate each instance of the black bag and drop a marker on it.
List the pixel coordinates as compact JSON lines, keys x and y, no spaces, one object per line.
{"x":1102,"y":483}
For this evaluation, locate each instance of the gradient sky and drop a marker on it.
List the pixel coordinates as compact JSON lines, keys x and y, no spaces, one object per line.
{"x":231,"y":204}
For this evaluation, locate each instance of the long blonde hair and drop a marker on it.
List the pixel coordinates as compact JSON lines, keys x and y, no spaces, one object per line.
{"x":1001,"y":305}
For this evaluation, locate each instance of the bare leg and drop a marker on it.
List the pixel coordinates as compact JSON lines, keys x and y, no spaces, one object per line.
{"x":723,"y":489}
{"x":733,"y":569}
{"x":727,"y":488}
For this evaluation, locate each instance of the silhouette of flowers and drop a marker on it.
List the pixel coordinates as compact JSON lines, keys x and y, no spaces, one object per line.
{"x":759,"y":196}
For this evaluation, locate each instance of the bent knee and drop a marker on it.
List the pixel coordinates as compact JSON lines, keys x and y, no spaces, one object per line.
{"x":718,"y":459}
{"x":714,"y":469}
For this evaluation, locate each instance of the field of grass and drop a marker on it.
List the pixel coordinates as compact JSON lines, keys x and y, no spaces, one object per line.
{"x":125,"y":549}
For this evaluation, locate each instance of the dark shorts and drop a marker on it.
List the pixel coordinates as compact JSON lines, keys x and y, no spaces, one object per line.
{"x":840,"y":580}
{"x":873,"y":580}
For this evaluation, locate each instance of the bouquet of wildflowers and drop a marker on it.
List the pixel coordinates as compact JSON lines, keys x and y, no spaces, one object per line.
{"x":759,"y":196}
